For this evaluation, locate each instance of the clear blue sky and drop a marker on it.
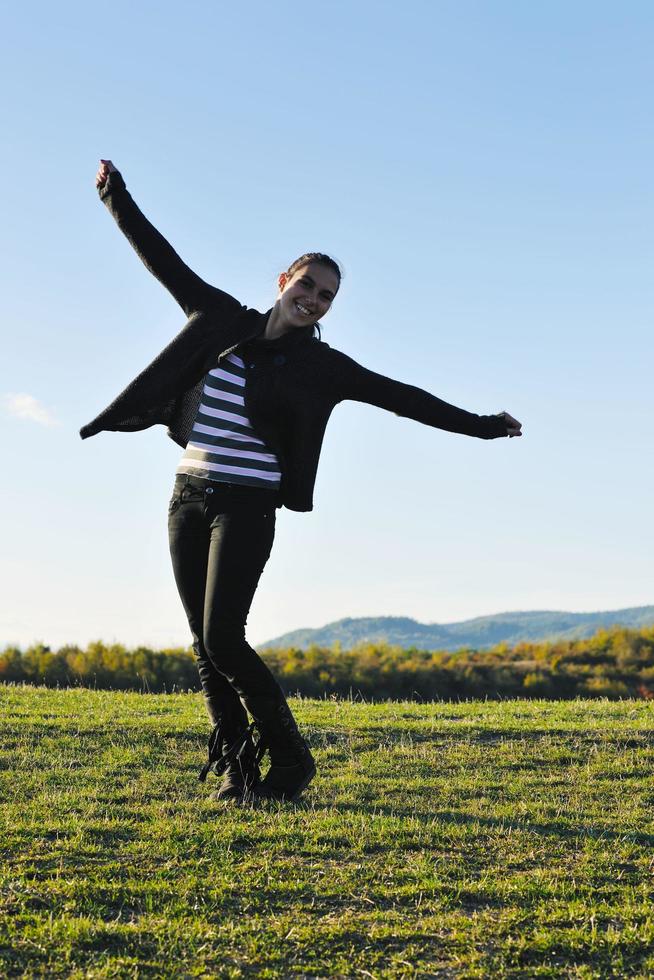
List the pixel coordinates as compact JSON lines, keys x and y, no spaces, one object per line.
{"x":484,"y":173}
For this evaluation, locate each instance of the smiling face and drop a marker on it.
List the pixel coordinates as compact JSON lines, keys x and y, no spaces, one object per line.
{"x":306,"y":296}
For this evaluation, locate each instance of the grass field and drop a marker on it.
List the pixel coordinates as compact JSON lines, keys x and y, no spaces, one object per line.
{"x":438,"y":840}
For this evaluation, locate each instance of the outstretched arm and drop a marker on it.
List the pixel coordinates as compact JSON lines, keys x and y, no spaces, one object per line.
{"x":354,"y":382}
{"x":158,"y":256}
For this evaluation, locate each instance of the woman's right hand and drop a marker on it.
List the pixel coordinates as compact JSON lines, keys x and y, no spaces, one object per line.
{"x":106,"y":167}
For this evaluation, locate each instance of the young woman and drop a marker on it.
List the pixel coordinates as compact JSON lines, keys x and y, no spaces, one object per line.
{"x":247,"y":395}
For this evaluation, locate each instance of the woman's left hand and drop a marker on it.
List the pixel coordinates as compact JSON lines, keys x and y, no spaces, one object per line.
{"x":513,"y":427}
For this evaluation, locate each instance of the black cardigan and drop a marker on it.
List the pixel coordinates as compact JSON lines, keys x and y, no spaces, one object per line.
{"x":292,"y":383}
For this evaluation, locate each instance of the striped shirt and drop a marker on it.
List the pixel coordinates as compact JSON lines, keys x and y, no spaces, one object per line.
{"x":222,"y":445}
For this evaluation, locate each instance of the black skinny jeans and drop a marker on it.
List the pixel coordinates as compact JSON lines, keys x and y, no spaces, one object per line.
{"x":220,"y":537}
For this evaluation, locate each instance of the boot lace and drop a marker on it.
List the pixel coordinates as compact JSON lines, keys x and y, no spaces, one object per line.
{"x":290,"y":728}
{"x":222,"y":754}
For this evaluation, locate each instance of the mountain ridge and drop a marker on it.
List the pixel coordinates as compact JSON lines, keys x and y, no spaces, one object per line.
{"x":480,"y":632}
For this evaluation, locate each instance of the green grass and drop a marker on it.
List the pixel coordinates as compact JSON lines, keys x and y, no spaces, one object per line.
{"x":441,"y":840}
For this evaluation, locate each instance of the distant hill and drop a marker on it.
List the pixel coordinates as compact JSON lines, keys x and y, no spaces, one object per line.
{"x":479,"y":633}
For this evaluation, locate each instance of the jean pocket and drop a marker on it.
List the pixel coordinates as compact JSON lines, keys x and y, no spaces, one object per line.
{"x":174,"y":503}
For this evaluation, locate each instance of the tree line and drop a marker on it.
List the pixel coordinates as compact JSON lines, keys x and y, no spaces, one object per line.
{"x":615,"y":663}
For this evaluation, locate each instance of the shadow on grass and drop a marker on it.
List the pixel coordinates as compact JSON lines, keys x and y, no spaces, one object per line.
{"x":637,"y":739}
{"x":552,"y":829}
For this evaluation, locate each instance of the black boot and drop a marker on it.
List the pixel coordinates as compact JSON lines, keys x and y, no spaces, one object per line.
{"x":236,"y":759}
{"x":292,"y":766}
{"x":231,"y":750}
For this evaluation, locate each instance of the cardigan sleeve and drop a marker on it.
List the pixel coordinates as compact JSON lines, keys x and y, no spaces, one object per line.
{"x":159,"y":257}
{"x":353,"y":382}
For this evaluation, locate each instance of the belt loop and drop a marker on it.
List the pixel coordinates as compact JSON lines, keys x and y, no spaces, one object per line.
{"x":186,"y":487}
